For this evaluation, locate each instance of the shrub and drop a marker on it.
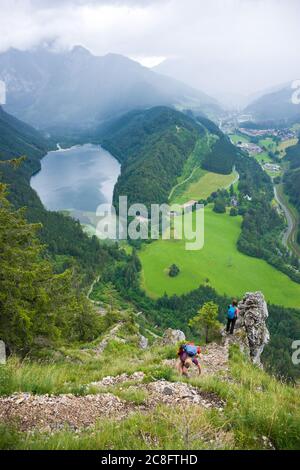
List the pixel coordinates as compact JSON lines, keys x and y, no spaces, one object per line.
{"x":174,"y":270}
{"x":219,"y":206}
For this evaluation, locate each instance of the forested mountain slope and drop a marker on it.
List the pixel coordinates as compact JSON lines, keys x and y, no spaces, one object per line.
{"x":18,"y":138}
{"x":292,"y":178}
{"x":154,"y":145}
{"x":63,"y":236}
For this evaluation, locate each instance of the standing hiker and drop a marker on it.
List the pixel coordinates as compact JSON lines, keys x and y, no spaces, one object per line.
{"x":187,"y":354}
{"x":232,"y":314}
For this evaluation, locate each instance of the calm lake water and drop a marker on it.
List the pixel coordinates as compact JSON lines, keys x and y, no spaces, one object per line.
{"x":77,"y":179}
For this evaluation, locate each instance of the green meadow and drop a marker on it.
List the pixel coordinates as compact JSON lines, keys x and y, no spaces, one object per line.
{"x":202,"y":187}
{"x":261,"y":157}
{"x":219,"y":263}
{"x":236,"y":138}
{"x":269,"y":144}
{"x":283,"y":146}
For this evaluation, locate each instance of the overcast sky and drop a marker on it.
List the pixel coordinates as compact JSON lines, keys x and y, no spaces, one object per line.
{"x":232,"y":46}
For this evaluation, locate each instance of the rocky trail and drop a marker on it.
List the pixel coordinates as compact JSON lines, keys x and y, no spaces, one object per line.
{"x":114,"y":397}
{"x":213,"y":360}
{"x":54,"y":412}
{"x":51,"y":413}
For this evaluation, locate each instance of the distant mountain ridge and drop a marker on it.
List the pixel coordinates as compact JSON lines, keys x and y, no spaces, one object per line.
{"x":77,"y":89}
{"x":276,"y":106}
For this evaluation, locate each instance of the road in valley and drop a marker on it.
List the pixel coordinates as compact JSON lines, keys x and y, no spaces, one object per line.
{"x":288,"y":238}
{"x":235,"y":180}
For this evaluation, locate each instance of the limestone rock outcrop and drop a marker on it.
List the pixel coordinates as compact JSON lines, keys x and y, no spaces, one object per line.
{"x":2,"y":352}
{"x":143,"y":342}
{"x":252,"y":318}
{"x":173,"y":336}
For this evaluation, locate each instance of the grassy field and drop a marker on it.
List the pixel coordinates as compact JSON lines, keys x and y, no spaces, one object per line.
{"x":192,"y":171}
{"x":206,"y":183}
{"x":228,"y":270}
{"x":236,"y":138}
{"x":261,"y":157}
{"x":269,"y":144}
{"x":283,"y":146}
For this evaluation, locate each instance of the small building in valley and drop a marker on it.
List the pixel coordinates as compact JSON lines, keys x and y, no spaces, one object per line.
{"x":189,"y":205}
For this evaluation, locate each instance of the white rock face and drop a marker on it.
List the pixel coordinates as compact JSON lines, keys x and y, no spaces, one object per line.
{"x":2,"y":352}
{"x":252,"y":317}
{"x":143,"y":343}
{"x":173,"y":336}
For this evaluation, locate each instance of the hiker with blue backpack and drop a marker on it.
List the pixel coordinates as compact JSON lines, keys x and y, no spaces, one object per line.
{"x":232,"y":314}
{"x":187,"y":354}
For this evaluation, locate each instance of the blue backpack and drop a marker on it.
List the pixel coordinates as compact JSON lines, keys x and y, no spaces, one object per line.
{"x":231,"y":312}
{"x":190,"y":349}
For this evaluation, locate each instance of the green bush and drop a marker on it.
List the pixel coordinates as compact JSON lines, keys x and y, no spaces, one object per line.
{"x":219,"y":206}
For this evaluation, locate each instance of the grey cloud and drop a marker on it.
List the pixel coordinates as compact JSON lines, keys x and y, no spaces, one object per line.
{"x":236,"y":46}
{"x":129,"y":3}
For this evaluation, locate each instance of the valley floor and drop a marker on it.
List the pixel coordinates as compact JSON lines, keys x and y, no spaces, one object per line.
{"x":219,"y":264}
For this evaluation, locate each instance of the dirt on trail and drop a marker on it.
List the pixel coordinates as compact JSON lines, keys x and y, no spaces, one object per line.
{"x":50,"y":412}
{"x":213,"y":360}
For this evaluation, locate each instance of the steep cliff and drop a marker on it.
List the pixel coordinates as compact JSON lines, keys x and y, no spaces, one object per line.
{"x":252,"y":317}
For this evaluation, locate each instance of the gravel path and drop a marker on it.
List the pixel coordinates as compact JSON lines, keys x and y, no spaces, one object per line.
{"x":54,"y":412}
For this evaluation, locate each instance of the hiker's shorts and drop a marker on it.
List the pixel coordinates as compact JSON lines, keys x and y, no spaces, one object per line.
{"x":184,"y":356}
{"x":195,"y":361}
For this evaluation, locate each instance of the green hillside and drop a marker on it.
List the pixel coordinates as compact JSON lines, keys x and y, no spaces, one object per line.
{"x":17,"y":138}
{"x":136,"y":401}
{"x":201,"y":185}
{"x":292,"y":178}
{"x":159,"y":148}
{"x":153,"y":147}
{"x":228,"y":270}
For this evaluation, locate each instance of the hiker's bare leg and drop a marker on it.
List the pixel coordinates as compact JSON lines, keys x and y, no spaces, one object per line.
{"x":179,"y":366}
{"x":186,"y":367}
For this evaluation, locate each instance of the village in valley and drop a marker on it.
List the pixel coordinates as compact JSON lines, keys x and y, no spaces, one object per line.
{"x":266,"y":144}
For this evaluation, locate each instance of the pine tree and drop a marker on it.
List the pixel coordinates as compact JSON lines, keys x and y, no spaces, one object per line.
{"x":207,"y":321}
{"x":36,"y":304}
